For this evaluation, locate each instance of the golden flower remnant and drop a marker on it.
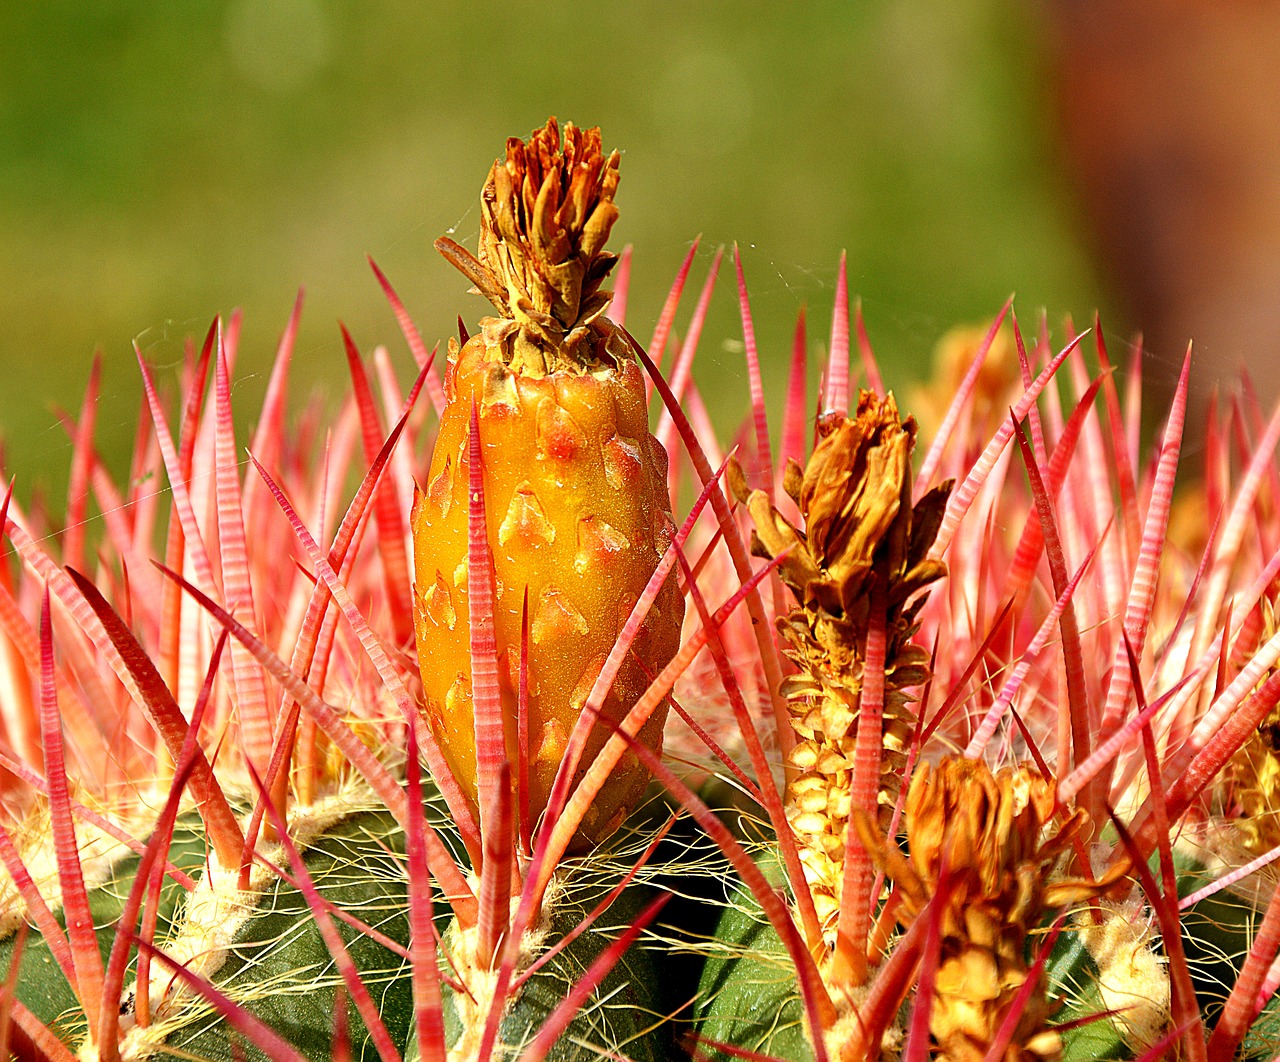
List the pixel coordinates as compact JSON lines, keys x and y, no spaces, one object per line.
{"x":1250,"y":788}
{"x":864,"y":547}
{"x":975,"y":841}
{"x":1246,"y":794}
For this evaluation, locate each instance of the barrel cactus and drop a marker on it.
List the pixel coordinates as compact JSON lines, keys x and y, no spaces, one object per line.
{"x":971,"y":751}
{"x":1010,"y":826}
{"x":221,"y":840}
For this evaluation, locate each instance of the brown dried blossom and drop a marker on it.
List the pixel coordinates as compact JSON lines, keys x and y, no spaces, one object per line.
{"x":545,"y":215}
{"x":986,"y":836}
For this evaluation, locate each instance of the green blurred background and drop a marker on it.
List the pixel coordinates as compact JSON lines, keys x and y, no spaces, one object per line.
{"x":160,"y":163}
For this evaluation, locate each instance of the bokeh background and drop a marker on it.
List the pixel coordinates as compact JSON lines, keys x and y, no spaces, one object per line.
{"x":160,"y":163}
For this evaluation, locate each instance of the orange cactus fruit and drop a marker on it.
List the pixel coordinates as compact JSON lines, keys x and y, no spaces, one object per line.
{"x":575,"y":487}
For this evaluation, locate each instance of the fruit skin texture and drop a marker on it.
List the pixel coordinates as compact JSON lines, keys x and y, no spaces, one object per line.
{"x":573,"y":488}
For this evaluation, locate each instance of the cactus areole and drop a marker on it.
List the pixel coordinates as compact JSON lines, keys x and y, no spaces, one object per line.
{"x":575,"y":487}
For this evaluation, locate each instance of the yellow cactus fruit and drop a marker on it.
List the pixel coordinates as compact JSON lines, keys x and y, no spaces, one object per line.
{"x":575,"y":487}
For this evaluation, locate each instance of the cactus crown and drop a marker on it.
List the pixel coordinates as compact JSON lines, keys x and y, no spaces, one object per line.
{"x":545,"y":214}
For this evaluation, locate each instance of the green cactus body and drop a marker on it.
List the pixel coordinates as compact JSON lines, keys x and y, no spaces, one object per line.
{"x":624,"y":1016}
{"x":41,"y":986}
{"x":748,"y":997}
{"x":1073,"y":977}
{"x":1217,"y":933}
{"x":275,"y":964}
{"x":278,"y":968}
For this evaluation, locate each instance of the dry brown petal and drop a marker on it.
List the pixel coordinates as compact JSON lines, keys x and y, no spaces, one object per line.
{"x":546,"y":213}
{"x":986,"y":831}
{"x":804,"y":756}
{"x":813,"y":823}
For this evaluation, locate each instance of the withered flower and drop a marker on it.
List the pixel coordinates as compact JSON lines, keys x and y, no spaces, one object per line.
{"x":545,"y":214}
{"x":986,"y":834}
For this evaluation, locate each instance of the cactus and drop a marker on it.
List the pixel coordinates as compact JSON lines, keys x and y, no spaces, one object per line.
{"x":1053,"y":938}
{"x":974,"y":760}
{"x":330,"y":900}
